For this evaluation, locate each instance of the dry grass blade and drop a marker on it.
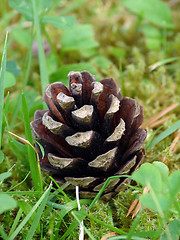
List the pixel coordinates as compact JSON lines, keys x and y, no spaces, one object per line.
{"x":159,"y":115}
{"x":175,"y":143}
{"x":161,"y":121}
{"x":137,"y":209}
{"x":132,"y":207}
{"x":108,"y":235}
{"x":174,"y":146}
{"x":22,"y":140}
{"x":136,"y":205}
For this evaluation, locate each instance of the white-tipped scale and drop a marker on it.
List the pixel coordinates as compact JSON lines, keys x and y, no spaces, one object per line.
{"x":118,"y":132}
{"x":58,"y":162}
{"x":66,"y":102}
{"x":83,"y":114}
{"x":114,"y":107}
{"x":54,"y":126}
{"x":105,"y":160}
{"x":80,"y":139}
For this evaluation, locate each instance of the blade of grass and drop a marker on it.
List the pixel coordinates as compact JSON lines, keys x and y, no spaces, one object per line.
{"x":124,"y":237}
{"x":42,"y":58}
{"x":28,"y":67}
{"x":3,"y":233}
{"x":160,"y":63}
{"x":164,"y":134}
{"x":149,"y":234}
{"x":113,"y":229}
{"x":16,"y":220}
{"x":148,"y":142}
{"x":103,"y":187}
{"x":75,"y":223}
{"x":133,"y":227}
{"x":6,"y":105}
{"x":26,"y":208}
{"x":34,"y":165}
{"x":52,"y":221}
{"x":4,"y":123}
{"x":2,"y":79}
{"x":38,"y":216}
{"x":60,"y":189}
{"x":66,"y":208}
{"x":121,"y":79}
{"x":75,"y":215}
{"x":25,"y":193}
{"x":81,"y":215}
{"x":26,"y":219}
{"x":19,"y":183}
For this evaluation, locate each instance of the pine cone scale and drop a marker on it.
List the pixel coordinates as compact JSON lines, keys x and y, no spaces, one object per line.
{"x":46,"y":137}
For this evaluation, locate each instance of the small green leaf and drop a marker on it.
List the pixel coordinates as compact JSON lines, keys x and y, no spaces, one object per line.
{"x":60,"y":21}
{"x":4,"y":175}
{"x":10,"y":80}
{"x":117,"y":52}
{"x":6,"y":202}
{"x":102,"y":62}
{"x":174,"y":183}
{"x":163,"y":169}
{"x":156,"y":11}
{"x":148,"y":175}
{"x":157,"y":203}
{"x":22,"y":36}
{"x":22,"y":7}
{"x":153,"y":36}
{"x":1,"y":157}
{"x":43,"y":5}
{"x":173,"y":229}
{"x":78,"y":37}
{"x":25,"y":7}
{"x":12,"y":67}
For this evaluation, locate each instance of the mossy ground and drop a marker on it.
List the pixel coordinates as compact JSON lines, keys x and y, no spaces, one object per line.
{"x":121,"y":42}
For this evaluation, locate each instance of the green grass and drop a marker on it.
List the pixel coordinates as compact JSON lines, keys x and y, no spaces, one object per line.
{"x":2,"y":80}
{"x":42,"y":58}
{"x":34,"y":167}
{"x":141,"y":52}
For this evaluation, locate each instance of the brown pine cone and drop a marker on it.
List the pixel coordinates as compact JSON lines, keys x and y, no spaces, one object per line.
{"x":89,"y":133}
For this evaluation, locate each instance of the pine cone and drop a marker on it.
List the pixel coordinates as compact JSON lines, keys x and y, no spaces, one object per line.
{"x":89,"y":133}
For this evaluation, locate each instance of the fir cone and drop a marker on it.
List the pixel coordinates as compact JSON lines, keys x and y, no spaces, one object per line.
{"x":89,"y":133}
